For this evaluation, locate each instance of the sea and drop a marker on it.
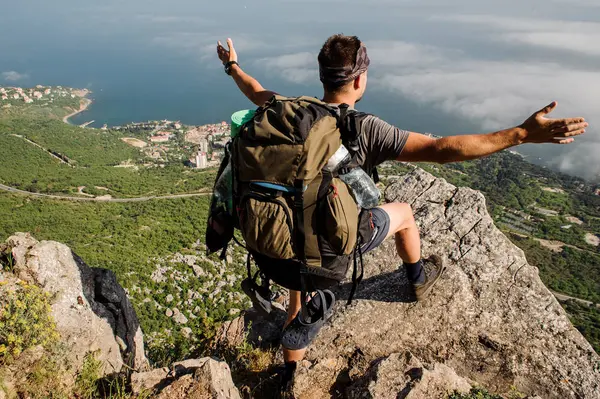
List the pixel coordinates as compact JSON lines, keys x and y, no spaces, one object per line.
{"x":466,"y":66}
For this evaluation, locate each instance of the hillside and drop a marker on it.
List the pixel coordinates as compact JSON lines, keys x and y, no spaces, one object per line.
{"x":155,"y":246}
{"x":43,"y":154}
{"x":490,"y":329}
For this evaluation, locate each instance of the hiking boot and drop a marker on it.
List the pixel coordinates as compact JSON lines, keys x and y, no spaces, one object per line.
{"x":434,"y":267}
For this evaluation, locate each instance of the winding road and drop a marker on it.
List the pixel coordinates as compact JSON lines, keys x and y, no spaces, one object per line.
{"x":564,"y":298}
{"x":100,"y":199}
{"x":559,"y":296}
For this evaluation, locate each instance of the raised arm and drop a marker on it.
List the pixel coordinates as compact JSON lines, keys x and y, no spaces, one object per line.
{"x":536,"y":129}
{"x":246,"y":83}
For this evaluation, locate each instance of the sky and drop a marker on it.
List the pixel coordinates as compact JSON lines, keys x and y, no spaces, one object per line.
{"x":464,"y":66}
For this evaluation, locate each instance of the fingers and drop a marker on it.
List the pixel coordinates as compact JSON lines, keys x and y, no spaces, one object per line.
{"x":229,"y":43}
{"x":570,"y":129}
{"x":547,"y":109}
{"x":564,"y":141}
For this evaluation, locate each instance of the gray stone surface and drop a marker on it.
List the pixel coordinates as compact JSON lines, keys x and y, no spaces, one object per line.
{"x":403,"y":375}
{"x":90,"y":308}
{"x":150,"y":380}
{"x":490,"y":318}
{"x":204,"y":378}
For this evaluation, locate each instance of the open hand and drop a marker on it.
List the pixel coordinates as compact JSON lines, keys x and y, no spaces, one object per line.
{"x":226,"y":55}
{"x":539,"y":129}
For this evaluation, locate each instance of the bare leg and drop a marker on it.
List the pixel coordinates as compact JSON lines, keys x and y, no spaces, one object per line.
{"x":293,"y":309}
{"x":405,"y":231}
{"x":408,"y":246}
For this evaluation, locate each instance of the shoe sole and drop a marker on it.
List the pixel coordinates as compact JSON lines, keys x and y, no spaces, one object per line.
{"x":261,"y":305}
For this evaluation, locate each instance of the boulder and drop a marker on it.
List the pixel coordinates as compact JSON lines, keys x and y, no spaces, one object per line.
{"x":204,"y":378}
{"x":150,"y":380}
{"x":91,"y":310}
{"x":490,"y":318}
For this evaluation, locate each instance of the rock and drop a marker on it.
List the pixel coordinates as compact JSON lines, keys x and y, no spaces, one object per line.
{"x":232,"y":333}
{"x":204,"y":378}
{"x":179,"y":317}
{"x":150,"y":380}
{"x":188,"y":366}
{"x":90,"y":308}
{"x":198,"y":271}
{"x":490,"y":318}
{"x":169,"y":313}
{"x":211,"y":380}
{"x":186,"y":332}
{"x":169,"y":298}
{"x":121,"y":343}
{"x":403,"y":375}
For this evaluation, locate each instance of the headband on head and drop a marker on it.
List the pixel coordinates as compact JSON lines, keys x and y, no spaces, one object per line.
{"x":338,"y":76}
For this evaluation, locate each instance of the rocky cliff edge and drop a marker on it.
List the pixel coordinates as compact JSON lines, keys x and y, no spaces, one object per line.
{"x":490,"y":319}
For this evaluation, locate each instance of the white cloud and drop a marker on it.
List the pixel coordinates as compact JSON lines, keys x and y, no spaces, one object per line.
{"x":171,"y":19}
{"x":13,"y":76}
{"x":493,"y":94}
{"x":498,"y":94}
{"x":576,"y":36}
{"x":296,"y":68}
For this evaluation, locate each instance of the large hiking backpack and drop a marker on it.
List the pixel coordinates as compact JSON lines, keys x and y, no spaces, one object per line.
{"x":300,"y":222}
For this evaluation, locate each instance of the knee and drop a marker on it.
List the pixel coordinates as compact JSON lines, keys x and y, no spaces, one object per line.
{"x":404,"y":214}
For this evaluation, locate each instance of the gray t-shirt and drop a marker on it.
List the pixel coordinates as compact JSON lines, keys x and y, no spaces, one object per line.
{"x":378,"y":140}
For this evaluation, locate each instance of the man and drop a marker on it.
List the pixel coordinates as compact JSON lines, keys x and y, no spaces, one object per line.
{"x":343,"y":64}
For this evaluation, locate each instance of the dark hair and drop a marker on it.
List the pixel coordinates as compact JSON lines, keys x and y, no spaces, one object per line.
{"x":339,"y":51}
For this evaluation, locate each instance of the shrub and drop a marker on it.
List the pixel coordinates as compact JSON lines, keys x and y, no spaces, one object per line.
{"x":475,"y":393}
{"x":25,"y":320}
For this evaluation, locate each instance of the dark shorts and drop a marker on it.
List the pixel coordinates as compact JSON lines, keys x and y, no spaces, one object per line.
{"x":374,"y":229}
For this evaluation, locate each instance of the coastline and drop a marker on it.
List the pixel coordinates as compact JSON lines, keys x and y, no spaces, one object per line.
{"x":83,"y":105}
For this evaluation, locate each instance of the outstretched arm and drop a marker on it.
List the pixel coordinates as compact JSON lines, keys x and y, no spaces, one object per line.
{"x":246,"y":83}
{"x":536,"y":129}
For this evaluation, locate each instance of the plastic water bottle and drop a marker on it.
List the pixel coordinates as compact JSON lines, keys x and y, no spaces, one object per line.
{"x":224,"y":189}
{"x":363,"y":188}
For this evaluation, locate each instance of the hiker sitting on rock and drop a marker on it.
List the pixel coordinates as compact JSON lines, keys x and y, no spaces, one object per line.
{"x":292,"y":239}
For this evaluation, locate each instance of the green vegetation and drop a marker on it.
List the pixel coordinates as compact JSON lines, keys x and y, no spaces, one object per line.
{"x":476,"y":393}
{"x":132,"y":239}
{"x":481,"y":393}
{"x":587,"y":320}
{"x":25,"y":321}
{"x":571,"y":271}
{"x":93,"y":155}
{"x":90,"y":373}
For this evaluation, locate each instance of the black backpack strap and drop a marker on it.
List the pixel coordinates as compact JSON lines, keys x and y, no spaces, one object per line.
{"x":299,"y":241}
{"x":375,"y":175}
{"x":356,"y":280}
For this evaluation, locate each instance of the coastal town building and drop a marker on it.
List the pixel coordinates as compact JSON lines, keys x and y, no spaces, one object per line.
{"x":201,"y":160}
{"x":204,"y":146}
{"x":159,"y":139}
